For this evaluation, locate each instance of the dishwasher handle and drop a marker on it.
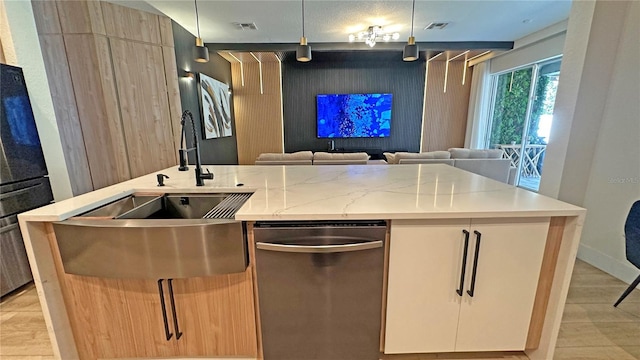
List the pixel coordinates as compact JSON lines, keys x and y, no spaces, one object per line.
{"x":319,"y":249}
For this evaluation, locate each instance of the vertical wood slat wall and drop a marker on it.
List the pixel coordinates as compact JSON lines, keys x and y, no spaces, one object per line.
{"x":445,"y":114}
{"x":259,"y":122}
{"x":5,"y":37}
{"x":115,"y":89}
{"x":258,"y":116}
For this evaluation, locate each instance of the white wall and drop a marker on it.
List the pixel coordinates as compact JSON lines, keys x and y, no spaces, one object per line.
{"x":541,"y":50}
{"x":571,"y":73}
{"x":28,"y":56}
{"x":593,"y":155}
{"x":614,"y":181}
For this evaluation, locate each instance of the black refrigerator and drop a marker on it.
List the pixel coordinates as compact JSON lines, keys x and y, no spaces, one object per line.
{"x":24,"y":184}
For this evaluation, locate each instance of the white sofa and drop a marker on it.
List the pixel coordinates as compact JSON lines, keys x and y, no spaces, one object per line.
{"x":325,"y":158}
{"x":296,"y":158}
{"x":427,"y":161}
{"x":485,"y":162}
{"x":432,"y":157}
{"x":496,"y":169}
{"x":309,"y":158}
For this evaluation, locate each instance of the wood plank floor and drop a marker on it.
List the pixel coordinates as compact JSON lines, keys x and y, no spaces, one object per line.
{"x":592,"y":329}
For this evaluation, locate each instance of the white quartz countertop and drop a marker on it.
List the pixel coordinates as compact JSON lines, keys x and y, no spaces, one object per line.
{"x":334,"y":192}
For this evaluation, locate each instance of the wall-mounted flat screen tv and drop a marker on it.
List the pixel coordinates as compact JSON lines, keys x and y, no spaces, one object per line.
{"x":354,"y":115}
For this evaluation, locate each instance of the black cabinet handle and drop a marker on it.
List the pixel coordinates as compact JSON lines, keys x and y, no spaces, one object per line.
{"x":164,"y":310}
{"x":464,"y":262}
{"x":173,"y":310}
{"x":475,"y":263}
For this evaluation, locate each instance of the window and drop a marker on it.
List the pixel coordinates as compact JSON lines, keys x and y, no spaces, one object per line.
{"x":521,"y":117}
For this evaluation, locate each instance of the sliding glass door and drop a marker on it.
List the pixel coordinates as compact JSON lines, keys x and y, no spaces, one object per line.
{"x":521,"y":116}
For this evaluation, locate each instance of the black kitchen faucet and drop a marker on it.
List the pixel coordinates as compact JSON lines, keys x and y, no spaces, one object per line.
{"x":182,"y":152}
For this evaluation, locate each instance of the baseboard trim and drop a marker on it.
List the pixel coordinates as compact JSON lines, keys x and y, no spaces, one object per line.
{"x":622,"y":270}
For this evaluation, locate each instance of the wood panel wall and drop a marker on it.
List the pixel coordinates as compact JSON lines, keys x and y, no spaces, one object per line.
{"x":142,"y":90}
{"x":80,"y":16}
{"x":126,"y":23}
{"x":445,"y":114}
{"x":97,"y":102}
{"x":258,"y":115}
{"x":115,"y":89}
{"x":66,"y":111}
{"x":2,"y":58}
{"x":63,"y":95}
{"x":7,"y":52}
{"x":4,"y":33}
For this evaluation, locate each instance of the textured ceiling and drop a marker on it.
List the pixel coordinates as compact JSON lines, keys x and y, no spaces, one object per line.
{"x":332,"y":21}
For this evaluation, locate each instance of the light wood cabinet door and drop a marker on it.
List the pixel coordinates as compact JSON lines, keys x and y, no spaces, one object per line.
{"x":216,"y":315}
{"x":427,"y":308}
{"x":509,"y":260}
{"x":144,"y":311}
{"x":425,"y":262}
{"x":144,"y":105}
{"x":123,"y":318}
{"x":116,"y":318}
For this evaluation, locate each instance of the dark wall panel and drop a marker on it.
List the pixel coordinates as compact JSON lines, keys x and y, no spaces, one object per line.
{"x":212,"y":151}
{"x":361,"y":74}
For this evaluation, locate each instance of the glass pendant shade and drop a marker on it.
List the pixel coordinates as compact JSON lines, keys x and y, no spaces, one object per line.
{"x":303,"y":52}
{"x":410,"y":52}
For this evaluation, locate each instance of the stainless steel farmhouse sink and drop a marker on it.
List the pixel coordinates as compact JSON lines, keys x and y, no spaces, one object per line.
{"x":167,"y":236}
{"x":183,"y":206}
{"x":118,"y":207}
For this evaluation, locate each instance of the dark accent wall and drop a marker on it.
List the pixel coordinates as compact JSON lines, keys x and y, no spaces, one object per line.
{"x":347,"y":73}
{"x":212,"y":151}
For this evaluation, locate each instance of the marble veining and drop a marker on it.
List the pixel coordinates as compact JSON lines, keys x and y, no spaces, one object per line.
{"x":337,"y":192}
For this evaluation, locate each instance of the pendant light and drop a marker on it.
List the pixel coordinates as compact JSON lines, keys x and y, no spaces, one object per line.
{"x":200,"y":52}
{"x":410,"y":52}
{"x":303,"y":52}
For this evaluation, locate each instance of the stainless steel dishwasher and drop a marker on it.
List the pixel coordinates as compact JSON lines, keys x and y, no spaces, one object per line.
{"x":320,"y":289}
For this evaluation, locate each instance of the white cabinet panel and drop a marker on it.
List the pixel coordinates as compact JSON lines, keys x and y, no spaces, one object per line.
{"x":422,"y":304}
{"x":510,"y":256}
{"x":424,"y":312}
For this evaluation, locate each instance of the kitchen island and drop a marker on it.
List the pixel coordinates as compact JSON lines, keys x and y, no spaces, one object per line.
{"x":415,"y":200}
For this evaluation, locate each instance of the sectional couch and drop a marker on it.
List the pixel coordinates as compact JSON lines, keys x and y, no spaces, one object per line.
{"x":308,"y":158}
{"x":485,"y":162}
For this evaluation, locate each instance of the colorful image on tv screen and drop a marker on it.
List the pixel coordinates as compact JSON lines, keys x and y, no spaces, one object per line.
{"x":354,"y":115}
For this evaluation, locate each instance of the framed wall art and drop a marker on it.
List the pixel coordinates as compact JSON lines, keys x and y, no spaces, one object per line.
{"x":216,"y":107}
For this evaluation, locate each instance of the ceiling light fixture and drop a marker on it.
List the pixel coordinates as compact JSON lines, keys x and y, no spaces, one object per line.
{"x":200,"y":52}
{"x":410,"y":52}
{"x":303,"y":52}
{"x":373,"y":34}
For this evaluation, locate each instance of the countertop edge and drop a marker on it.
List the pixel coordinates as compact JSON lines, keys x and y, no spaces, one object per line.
{"x":146,"y":184}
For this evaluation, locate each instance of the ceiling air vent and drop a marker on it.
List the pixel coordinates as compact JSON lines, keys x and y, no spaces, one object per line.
{"x":436,"y":26}
{"x":245,"y":26}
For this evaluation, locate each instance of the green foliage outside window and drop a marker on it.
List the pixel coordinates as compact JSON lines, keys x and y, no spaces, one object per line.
{"x":510,"y":108}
